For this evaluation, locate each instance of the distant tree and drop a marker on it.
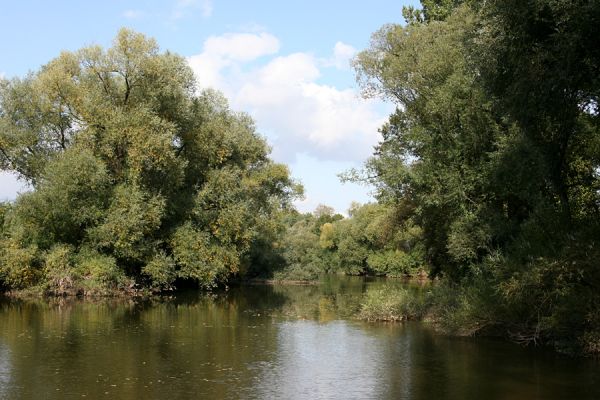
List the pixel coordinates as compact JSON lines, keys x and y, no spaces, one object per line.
{"x":323,"y":211}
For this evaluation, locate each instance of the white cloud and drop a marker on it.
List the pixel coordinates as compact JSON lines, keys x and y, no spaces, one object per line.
{"x":220,"y":52}
{"x":342,"y":54}
{"x":302,"y":117}
{"x":290,"y":106}
{"x":132,"y":14}
{"x":300,"y":114}
{"x":241,"y":46}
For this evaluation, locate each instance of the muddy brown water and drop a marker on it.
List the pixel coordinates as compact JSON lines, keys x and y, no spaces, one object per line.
{"x":263,"y":342}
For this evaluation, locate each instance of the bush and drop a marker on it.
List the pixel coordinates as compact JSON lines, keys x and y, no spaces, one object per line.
{"x":393,"y":263}
{"x":392,"y":304}
{"x":161,"y":271}
{"x":18,"y":265}
{"x":201,"y":258}
{"x":100,"y":274}
{"x":298,"y":272}
{"x":60,"y":275}
{"x":460,"y":310}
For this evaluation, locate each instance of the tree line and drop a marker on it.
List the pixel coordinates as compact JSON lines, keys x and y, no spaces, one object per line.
{"x":139,"y":179}
{"x":493,"y":152}
{"x":487,"y":175}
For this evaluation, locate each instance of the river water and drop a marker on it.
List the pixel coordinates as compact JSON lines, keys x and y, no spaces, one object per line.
{"x":263,"y":342}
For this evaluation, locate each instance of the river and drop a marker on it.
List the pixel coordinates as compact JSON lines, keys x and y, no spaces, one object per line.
{"x":263,"y":342}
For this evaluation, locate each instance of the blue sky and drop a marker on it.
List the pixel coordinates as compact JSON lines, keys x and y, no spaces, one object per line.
{"x":284,"y":62}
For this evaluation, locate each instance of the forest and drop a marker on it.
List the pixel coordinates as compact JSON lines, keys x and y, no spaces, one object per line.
{"x":486,"y":176}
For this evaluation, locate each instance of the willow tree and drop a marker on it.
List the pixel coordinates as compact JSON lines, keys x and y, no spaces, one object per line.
{"x":135,"y":173}
{"x":495,"y":147}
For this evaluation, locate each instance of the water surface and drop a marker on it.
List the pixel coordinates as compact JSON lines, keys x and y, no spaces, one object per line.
{"x":263,"y":342}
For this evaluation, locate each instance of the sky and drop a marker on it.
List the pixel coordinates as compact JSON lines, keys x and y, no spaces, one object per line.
{"x":286,"y":63}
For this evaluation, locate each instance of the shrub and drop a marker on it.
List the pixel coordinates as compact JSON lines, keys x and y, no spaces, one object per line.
{"x":18,"y":265}
{"x":298,"y":272}
{"x":161,"y":271}
{"x":60,"y":275}
{"x":392,"y":304}
{"x":457,"y":310}
{"x":100,"y":274}
{"x":393,"y":263}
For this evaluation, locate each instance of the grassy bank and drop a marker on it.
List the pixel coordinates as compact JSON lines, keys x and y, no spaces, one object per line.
{"x":474,"y":311}
{"x":392,"y":304}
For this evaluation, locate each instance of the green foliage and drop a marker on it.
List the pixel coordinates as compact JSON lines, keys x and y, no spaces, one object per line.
{"x":302,"y":255}
{"x":326,"y":237}
{"x":135,"y":171}
{"x":70,"y":197}
{"x":492,"y":153}
{"x":60,"y":273}
{"x":298,"y":272}
{"x":161,"y":270}
{"x":301,"y":243}
{"x":201,"y":258}
{"x":100,"y":274}
{"x":394,"y":263}
{"x":433,"y":10}
{"x":129,"y":224}
{"x":375,"y":239}
{"x":464,"y":310}
{"x":19,"y":265}
{"x":392,"y":304}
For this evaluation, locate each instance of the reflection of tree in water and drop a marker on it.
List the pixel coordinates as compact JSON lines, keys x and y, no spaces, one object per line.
{"x":335,"y":297}
{"x":424,"y":365}
{"x":198,"y":345}
{"x":5,"y":370}
{"x":222,"y":345}
{"x":313,"y":302}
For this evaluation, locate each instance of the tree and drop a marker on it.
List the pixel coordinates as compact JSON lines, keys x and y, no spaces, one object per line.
{"x":540,"y":65}
{"x":435,"y":155}
{"x":493,"y":152}
{"x":133,"y":166}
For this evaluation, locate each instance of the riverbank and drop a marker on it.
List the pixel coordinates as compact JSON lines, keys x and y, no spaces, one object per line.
{"x":467,"y":312}
{"x":451,"y":310}
{"x":263,"y":341}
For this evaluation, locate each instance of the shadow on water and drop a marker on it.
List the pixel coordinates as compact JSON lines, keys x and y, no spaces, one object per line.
{"x":262,"y":342}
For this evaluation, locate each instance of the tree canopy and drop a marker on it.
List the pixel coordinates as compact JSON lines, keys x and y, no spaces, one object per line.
{"x":133,"y":169}
{"x":494,"y":142}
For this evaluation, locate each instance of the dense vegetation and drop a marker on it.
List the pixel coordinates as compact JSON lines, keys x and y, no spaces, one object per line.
{"x":373,"y":240}
{"x":138,"y":178}
{"x":495,"y":145}
{"x":487,"y":175}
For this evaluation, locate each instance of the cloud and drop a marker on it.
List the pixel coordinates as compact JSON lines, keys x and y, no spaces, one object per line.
{"x":292,"y":108}
{"x":342,"y":54}
{"x":299,"y":114}
{"x":242,"y":46}
{"x":183,"y":7}
{"x":132,"y":14}
{"x":220,"y":52}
